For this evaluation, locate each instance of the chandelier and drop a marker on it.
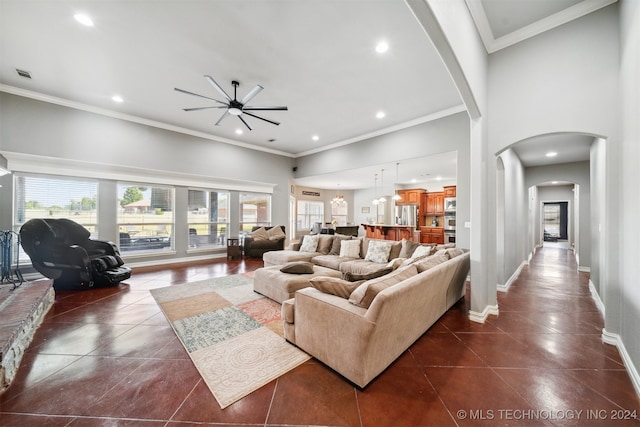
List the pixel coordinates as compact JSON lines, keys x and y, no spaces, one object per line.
{"x":339,"y":199}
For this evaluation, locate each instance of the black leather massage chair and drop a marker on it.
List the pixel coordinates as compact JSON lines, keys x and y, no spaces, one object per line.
{"x":61,"y":249}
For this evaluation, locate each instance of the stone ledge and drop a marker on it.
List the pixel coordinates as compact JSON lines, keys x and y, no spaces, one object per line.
{"x":21,"y":312}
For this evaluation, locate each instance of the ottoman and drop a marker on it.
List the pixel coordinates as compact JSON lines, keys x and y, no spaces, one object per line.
{"x":279,"y":286}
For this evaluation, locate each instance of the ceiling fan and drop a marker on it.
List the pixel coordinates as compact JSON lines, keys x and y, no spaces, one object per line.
{"x":232,"y":105}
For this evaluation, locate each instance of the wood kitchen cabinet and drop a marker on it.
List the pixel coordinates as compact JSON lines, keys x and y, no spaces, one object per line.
{"x":432,"y":235}
{"x":450,"y":191}
{"x":410,"y":196}
{"x":434,"y":204}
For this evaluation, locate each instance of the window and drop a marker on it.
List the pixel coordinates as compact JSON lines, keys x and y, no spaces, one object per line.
{"x":339,"y":212}
{"x":208,"y":218}
{"x":145,"y":218}
{"x":48,"y":197}
{"x":309,"y":213}
{"x":255,"y":210}
{"x":39,"y":196}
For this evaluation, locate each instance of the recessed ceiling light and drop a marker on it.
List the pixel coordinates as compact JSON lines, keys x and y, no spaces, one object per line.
{"x":239,"y":131}
{"x":551,"y":154}
{"x":315,"y":137}
{"x":83,"y":19}
{"x":438,"y":178}
{"x":117,"y":98}
{"x":380,"y":114}
{"x":554,"y":182}
{"x":382,"y":46}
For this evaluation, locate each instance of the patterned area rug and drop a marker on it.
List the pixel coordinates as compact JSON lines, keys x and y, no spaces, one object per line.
{"x":233,"y":334}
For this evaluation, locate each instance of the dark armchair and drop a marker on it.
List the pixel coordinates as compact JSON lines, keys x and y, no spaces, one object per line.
{"x":254,"y":248}
{"x":61,"y":250}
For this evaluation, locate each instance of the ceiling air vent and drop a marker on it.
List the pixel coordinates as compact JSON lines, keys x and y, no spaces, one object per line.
{"x":23,"y":73}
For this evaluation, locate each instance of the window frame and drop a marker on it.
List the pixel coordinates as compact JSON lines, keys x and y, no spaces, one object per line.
{"x":195,"y":239}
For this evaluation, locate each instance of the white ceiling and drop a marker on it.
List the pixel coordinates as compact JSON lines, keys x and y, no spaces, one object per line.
{"x":315,"y":56}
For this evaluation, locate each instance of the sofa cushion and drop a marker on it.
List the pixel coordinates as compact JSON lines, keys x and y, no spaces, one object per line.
{"x":298,"y":267}
{"x":324,"y":243}
{"x":362,"y":296}
{"x":276,"y":233}
{"x":337,"y":244}
{"x":354,"y":277}
{"x":335,"y":286}
{"x":349,"y":248}
{"x":454,"y":252}
{"x":260,"y":234}
{"x":286,"y":256}
{"x":378,"y":251}
{"x":330,"y":261}
{"x":309,"y":243}
{"x":407,"y":248}
{"x":430,"y":262}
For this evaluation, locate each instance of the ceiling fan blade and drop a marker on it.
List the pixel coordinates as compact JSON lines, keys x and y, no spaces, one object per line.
{"x":261,"y":118}
{"x":204,"y":108}
{"x":264,"y":108}
{"x":248,"y":97}
{"x":245,"y":123}
{"x":201,"y":96}
{"x":226,"y":113}
{"x":218,"y":87}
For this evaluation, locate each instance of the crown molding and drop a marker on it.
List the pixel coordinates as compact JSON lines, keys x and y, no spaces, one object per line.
{"x":569,"y":14}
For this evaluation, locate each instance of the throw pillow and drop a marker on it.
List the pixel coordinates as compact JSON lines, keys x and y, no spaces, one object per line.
{"x":350,"y":248}
{"x":421,"y":251}
{"x":362,"y":297}
{"x":298,"y":267}
{"x":407,"y":248}
{"x":309,"y":243}
{"x":260,"y":234}
{"x":337,"y":240}
{"x":378,"y":251}
{"x":335,"y":286}
{"x":276,"y":233}
{"x":354,"y":277}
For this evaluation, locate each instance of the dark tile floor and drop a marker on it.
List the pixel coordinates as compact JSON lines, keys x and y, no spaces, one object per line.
{"x":108,"y":357}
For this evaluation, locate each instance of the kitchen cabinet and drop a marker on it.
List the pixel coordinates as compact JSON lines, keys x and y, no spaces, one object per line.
{"x":432,"y":235}
{"x":450,"y":191}
{"x":434,"y":204}
{"x":410,"y":196}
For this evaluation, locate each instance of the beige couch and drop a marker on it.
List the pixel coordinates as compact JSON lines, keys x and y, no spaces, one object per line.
{"x":359,"y":342}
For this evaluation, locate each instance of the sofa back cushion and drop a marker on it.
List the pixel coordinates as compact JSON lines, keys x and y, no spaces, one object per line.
{"x":365,"y":293}
{"x":335,"y":286}
{"x":430,"y":262}
{"x":324,"y":243}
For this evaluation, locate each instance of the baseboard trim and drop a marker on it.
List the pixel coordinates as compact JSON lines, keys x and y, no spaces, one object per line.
{"x":182,"y":260}
{"x":474,"y":316}
{"x":596,"y":297}
{"x":615,"y":339}
{"x":514,"y":276}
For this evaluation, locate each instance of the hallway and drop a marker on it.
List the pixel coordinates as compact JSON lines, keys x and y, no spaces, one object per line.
{"x":109,"y":357}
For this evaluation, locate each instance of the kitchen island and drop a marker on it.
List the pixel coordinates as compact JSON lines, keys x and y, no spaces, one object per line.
{"x":391,"y":232}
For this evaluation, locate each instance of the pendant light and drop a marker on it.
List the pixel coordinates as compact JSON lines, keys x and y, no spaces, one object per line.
{"x":382,"y":199}
{"x":396,"y":196}
{"x":339,"y":199}
{"x":375,"y":189}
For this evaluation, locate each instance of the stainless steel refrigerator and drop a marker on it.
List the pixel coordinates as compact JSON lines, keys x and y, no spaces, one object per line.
{"x":406,"y":215}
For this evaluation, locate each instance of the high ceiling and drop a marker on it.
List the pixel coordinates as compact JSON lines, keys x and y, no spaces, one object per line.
{"x":317,"y":57}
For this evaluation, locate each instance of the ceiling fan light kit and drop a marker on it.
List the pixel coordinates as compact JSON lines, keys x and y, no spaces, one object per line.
{"x":232,"y":105}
